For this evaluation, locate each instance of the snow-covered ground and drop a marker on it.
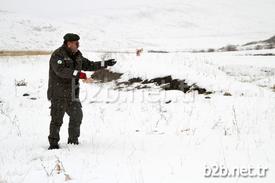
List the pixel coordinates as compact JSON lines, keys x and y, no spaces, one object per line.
{"x":137,"y":135}
{"x":147,"y":135}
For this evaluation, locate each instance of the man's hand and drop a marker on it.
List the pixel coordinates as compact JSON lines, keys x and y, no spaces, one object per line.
{"x":88,"y":80}
{"x":110,"y":62}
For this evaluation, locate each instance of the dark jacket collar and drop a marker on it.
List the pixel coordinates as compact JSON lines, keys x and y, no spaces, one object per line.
{"x":67,"y":50}
{"x":70,"y":53}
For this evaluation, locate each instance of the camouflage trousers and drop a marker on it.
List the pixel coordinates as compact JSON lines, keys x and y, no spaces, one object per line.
{"x":58,"y":109}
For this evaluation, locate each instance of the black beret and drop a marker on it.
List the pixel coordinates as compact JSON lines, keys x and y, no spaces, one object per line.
{"x":71,"y":37}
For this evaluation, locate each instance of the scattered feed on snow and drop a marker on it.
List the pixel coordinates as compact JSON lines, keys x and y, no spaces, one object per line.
{"x":166,"y":83}
{"x":105,"y":75}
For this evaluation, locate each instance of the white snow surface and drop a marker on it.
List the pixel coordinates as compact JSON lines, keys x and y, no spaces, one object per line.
{"x":135,"y":135}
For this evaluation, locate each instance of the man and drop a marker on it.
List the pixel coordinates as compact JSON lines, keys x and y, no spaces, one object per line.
{"x":66,"y":64}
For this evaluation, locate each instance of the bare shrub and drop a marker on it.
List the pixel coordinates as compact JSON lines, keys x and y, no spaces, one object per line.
{"x":211,"y":50}
{"x":230,"y":48}
{"x":258,"y":47}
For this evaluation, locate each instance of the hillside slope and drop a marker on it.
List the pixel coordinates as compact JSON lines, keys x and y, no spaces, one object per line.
{"x":124,"y":25}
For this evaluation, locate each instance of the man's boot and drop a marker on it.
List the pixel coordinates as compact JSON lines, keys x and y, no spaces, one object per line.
{"x":73,"y":141}
{"x":53,"y":146}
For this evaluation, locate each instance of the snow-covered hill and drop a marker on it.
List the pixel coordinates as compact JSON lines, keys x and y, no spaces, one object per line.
{"x":124,"y":25}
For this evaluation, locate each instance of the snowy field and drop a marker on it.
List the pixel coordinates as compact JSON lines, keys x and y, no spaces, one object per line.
{"x":147,"y":135}
{"x":137,"y":135}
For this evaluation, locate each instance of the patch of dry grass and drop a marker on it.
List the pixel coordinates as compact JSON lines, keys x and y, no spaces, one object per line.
{"x":23,"y":53}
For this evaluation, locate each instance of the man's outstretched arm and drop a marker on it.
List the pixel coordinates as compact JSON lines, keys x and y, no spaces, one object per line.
{"x":88,"y":65}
